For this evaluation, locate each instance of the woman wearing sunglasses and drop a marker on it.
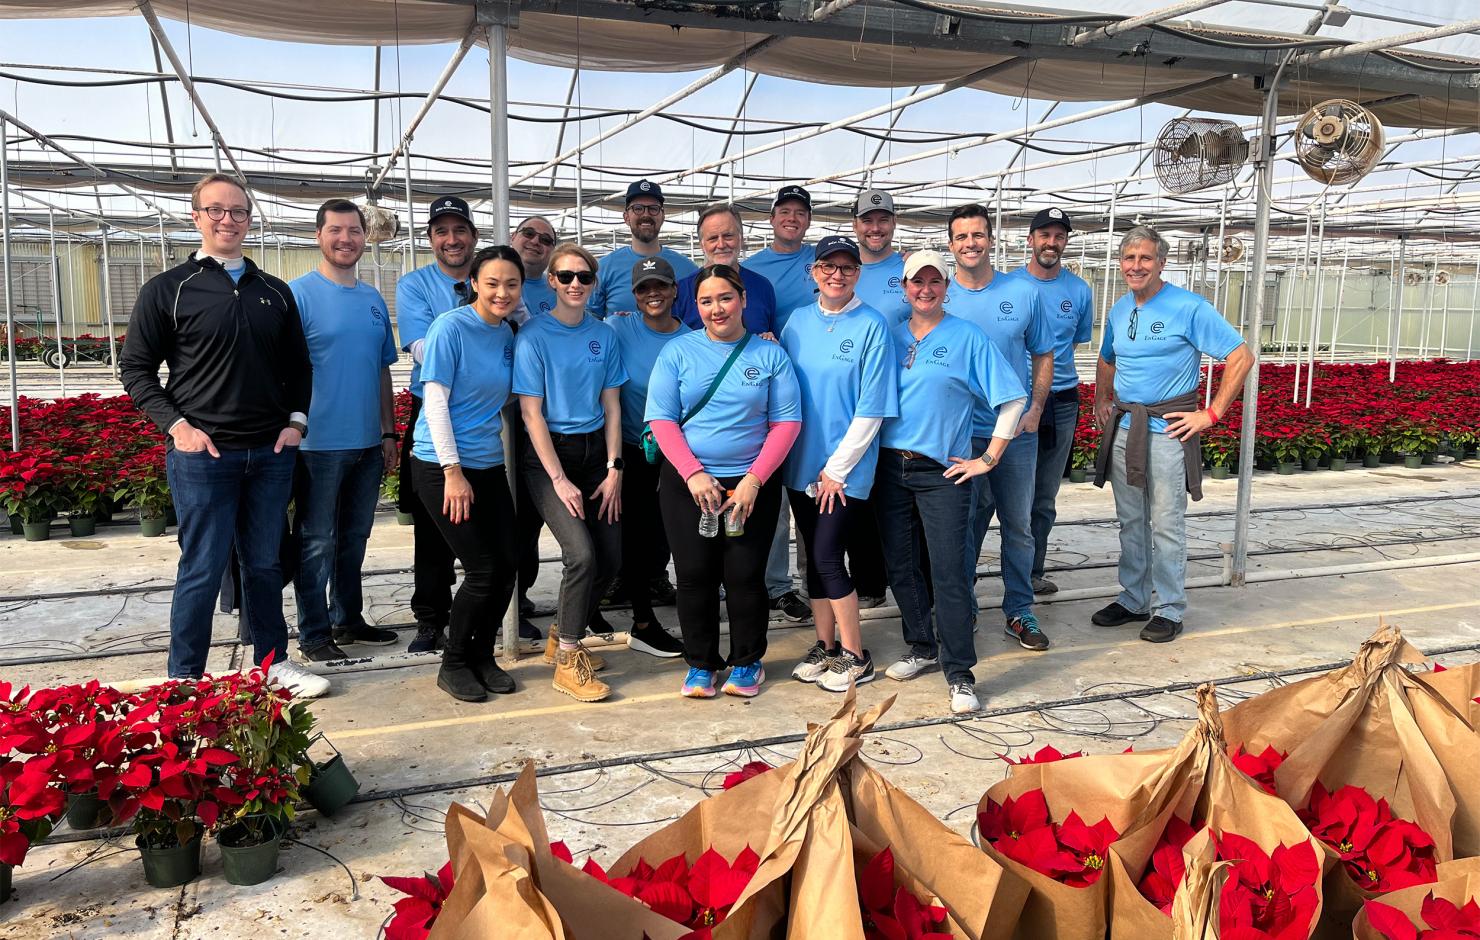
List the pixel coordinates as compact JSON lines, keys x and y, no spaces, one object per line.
{"x":458,"y":461}
{"x":946,"y":365}
{"x":567,"y":374}
{"x":725,"y":410}
{"x":840,"y":348}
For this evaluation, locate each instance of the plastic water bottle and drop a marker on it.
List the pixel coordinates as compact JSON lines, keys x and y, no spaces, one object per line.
{"x":708,"y":523}
{"x":734,"y":525}
{"x":811,"y":491}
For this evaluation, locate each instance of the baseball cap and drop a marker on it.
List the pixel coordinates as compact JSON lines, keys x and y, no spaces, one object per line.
{"x":925,"y":258}
{"x":792,"y":192}
{"x":871,"y":199}
{"x":652,"y":269}
{"x":1051,"y":216}
{"x":644,"y":188}
{"x":449,"y":205}
{"x":833,"y":244}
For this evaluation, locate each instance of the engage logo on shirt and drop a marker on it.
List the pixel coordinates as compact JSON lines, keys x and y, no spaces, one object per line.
{"x":938,"y":356}
{"x":1006,"y":308}
{"x":594,"y":347}
{"x":752,"y":377}
{"x":377,"y":314}
{"x":1066,"y":310}
{"x":845,"y":348}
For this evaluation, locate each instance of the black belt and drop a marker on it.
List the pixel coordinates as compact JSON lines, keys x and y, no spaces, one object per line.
{"x":911,"y":455}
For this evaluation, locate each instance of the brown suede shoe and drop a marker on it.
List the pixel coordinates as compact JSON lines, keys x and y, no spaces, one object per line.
{"x":552,"y":646}
{"x":575,"y":677}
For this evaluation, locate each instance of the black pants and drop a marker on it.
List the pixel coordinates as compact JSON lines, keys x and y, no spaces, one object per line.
{"x":432,"y":574}
{"x":644,"y":543}
{"x":484,"y":543}
{"x":826,"y":537}
{"x":703,"y":564}
{"x":866,"y":551}
{"x":527,"y":521}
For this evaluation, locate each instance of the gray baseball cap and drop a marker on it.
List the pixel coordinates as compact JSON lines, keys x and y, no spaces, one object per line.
{"x":871,"y":199}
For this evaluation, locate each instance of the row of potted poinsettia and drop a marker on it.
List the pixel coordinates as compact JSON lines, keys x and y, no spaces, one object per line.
{"x":1345,"y":806}
{"x":225,"y":755}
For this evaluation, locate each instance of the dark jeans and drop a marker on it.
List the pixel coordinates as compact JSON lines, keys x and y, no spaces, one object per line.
{"x":918,"y":508}
{"x":826,"y":538}
{"x":335,"y":498}
{"x":431,"y":559}
{"x":644,"y":544}
{"x":240,"y":497}
{"x":702,"y":565}
{"x":1053,"y":458}
{"x":1008,"y":492}
{"x":484,"y":543}
{"x":590,"y":548}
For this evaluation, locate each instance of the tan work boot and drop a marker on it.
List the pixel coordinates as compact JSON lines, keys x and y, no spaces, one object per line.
{"x":552,"y":646}
{"x":575,"y":677}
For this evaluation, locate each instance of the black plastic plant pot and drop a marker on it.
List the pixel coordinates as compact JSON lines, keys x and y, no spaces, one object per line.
{"x":85,"y":810}
{"x":4,"y":883}
{"x":173,"y":866}
{"x":331,"y":786}
{"x":250,"y":864}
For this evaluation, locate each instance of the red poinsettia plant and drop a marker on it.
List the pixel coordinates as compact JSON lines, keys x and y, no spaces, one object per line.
{"x":698,"y":896}
{"x":1445,"y":920}
{"x":1259,"y":767}
{"x":1268,"y":896}
{"x":1071,"y":852}
{"x":1380,"y":851}
{"x":30,"y":800}
{"x":893,"y":913}
{"x":753,"y":769}
{"x":417,"y":912}
{"x":1167,"y":867}
{"x":1047,"y":754}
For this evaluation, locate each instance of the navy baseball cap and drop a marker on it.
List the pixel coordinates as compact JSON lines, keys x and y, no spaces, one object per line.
{"x":644,"y":188}
{"x":792,"y":192}
{"x":1051,"y":216}
{"x":652,"y":269}
{"x":449,"y":205}
{"x":833,"y":244}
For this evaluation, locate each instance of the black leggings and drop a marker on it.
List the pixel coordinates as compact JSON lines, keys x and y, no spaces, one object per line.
{"x":644,"y":544}
{"x":827,"y":536}
{"x":703,"y":564}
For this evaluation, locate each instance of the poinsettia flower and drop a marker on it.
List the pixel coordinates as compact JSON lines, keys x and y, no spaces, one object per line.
{"x":716,"y":884}
{"x":1379,"y":851}
{"x":1167,"y":866}
{"x":1047,"y":754}
{"x":1266,"y":895}
{"x":1090,"y":846}
{"x":1389,"y":922}
{"x":562,"y":851}
{"x":417,"y":912}
{"x":753,"y":769}
{"x":1259,"y":767}
{"x":891,"y":913}
{"x":1013,"y":817}
{"x":1443,"y":915}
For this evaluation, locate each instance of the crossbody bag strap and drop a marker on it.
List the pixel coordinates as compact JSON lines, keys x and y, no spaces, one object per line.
{"x":724,"y":370}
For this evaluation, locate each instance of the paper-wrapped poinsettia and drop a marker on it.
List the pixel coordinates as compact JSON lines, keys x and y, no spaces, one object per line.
{"x":1379,"y":851}
{"x":1259,"y":767}
{"x":1448,"y":909}
{"x":1023,"y":829}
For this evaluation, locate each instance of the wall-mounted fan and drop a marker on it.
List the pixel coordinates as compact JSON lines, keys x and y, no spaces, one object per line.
{"x":1233,"y":249}
{"x":1441,"y":278}
{"x":1195,"y":153}
{"x":1338,"y":142}
{"x":381,"y":225}
{"x":1413,"y":278}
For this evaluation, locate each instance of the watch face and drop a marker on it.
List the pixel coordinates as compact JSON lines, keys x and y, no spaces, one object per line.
{"x":617,"y":463}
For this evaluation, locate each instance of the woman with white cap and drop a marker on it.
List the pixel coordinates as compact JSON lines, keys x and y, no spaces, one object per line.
{"x":946,"y":365}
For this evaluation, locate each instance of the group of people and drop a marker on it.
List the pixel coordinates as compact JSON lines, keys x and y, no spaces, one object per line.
{"x":888,"y":405}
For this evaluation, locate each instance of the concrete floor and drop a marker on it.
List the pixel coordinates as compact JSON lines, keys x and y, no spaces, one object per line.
{"x":399,"y":731}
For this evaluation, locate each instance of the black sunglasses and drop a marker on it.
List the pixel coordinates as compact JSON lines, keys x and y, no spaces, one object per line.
{"x":585,"y":277}
{"x":547,"y":240}
{"x":909,"y":359}
{"x":1131,"y":333}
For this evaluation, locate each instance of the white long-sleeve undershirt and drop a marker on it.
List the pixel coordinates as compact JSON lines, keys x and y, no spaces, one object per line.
{"x":1008,"y":416}
{"x":852,"y":447}
{"x":439,"y":422}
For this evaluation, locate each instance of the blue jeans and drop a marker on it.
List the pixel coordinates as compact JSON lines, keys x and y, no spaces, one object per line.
{"x":335,"y":498}
{"x":1050,"y":473}
{"x":1008,"y":492}
{"x":778,"y":562}
{"x":239,"y":497}
{"x":1153,"y":529}
{"x":922,"y":513}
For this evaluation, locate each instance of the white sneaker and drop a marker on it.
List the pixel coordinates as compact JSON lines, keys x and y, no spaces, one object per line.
{"x":963,"y":699}
{"x":814,"y":665}
{"x":298,"y":681}
{"x":911,"y":666}
{"x":847,"y":670}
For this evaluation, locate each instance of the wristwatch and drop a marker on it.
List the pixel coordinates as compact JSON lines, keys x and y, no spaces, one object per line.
{"x":616,"y":463}
{"x":300,"y":427}
{"x":988,"y":459}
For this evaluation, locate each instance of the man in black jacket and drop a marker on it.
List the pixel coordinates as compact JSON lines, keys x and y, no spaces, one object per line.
{"x":234,"y":411}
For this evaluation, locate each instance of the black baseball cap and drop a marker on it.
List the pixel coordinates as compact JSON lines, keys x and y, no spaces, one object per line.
{"x":1051,"y":216}
{"x":792,"y":192}
{"x":450,"y":205}
{"x":652,"y":269}
{"x":644,"y":188}
{"x":833,"y":244}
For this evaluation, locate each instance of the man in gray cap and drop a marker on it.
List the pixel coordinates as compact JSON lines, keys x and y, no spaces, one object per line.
{"x":1067,"y":303}
{"x":644,"y":217}
{"x":881,"y":284}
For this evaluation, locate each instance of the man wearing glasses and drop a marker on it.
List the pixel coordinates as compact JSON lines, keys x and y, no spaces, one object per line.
{"x":534,"y":239}
{"x":644,"y":217}
{"x":235,"y":411}
{"x":421,"y":297}
{"x":1146,"y":402}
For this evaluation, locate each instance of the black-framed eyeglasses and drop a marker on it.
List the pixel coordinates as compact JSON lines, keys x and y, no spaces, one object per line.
{"x":645,"y":210}
{"x":585,"y":277}
{"x":909,"y":358}
{"x":829,"y":269}
{"x":547,"y":240}
{"x":1131,"y":333}
{"x":217,"y":213}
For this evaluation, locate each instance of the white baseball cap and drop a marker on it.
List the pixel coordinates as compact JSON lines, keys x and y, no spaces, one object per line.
{"x":925,"y":258}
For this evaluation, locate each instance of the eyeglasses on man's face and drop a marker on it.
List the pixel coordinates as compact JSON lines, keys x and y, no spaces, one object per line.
{"x":217,"y":213}
{"x":585,"y":277}
{"x":638,"y":209}
{"x":547,"y":240}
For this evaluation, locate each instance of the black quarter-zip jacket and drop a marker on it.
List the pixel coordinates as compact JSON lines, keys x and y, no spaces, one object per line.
{"x":238,"y":361}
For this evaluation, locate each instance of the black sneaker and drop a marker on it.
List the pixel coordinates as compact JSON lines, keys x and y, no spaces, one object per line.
{"x":1161,"y":630}
{"x":1115,"y":614}
{"x":323,"y":653}
{"x":528,"y":608}
{"x":428,"y":639}
{"x":662,"y":592}
{"x":364,"y":633}
{"x":652,"y":639}
{"x":600,"y":629}
{"x":616,"y":595}
{"x":1025,"y":630}
{"x":792,"y":607}
{"x":530,"y":634}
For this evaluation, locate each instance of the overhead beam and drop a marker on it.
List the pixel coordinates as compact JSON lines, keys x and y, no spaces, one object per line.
{"x":470,"y":37}
{"x":1307,"y":59}
{"x":1145,"y":19}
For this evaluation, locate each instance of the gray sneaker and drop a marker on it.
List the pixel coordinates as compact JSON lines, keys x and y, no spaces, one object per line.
{"x":911,"y":666}
{"x":1044,"y":586}
{"x":815,"y":664}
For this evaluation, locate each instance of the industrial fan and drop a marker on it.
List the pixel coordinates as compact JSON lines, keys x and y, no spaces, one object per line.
{"x":1441,"y":278}
{"x":1338,"y":142}
{"x":1413,"y":278}
{"x":380,"y":224}
{"x":1072,"y":267}
{"x":1233,"y":249}
{"x":1195,"y":153}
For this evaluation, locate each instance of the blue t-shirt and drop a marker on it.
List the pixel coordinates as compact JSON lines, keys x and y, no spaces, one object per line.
{"x":790,"y":275}
{"x":1173,"y":331}
{"x":727,"y":434}
{"x":421,"y":297}
{"x":638,"y":344}
{"x":881,"y":286}
{"x":475,"y":360}
{"x":760,"y":303}
{"x":954,"y":367}
{"x":568,"y":366}
{"x":613,"y":292}
{"x":1068,"y":304}
{"x":845,"y":371}
{"x":1008,"y":311}
{"x":348,"y":330}
{"x":538,"y":296}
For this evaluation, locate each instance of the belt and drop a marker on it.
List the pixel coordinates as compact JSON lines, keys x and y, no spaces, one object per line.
{"x":911,"y":455}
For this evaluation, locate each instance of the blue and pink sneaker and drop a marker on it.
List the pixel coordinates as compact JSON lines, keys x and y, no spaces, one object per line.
{"x":745,"y":681}
{"x":699,"y":683}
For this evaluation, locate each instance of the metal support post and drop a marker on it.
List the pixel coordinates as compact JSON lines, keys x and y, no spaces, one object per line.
{"x":1395,"y":316}
{"x":56,"y":299}
{"x":1315,"y":311}
{"x":1109,"y":256}
{"x":15,"y":409}
{"x":1340,"y":298}
{"x":108,"y":305}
